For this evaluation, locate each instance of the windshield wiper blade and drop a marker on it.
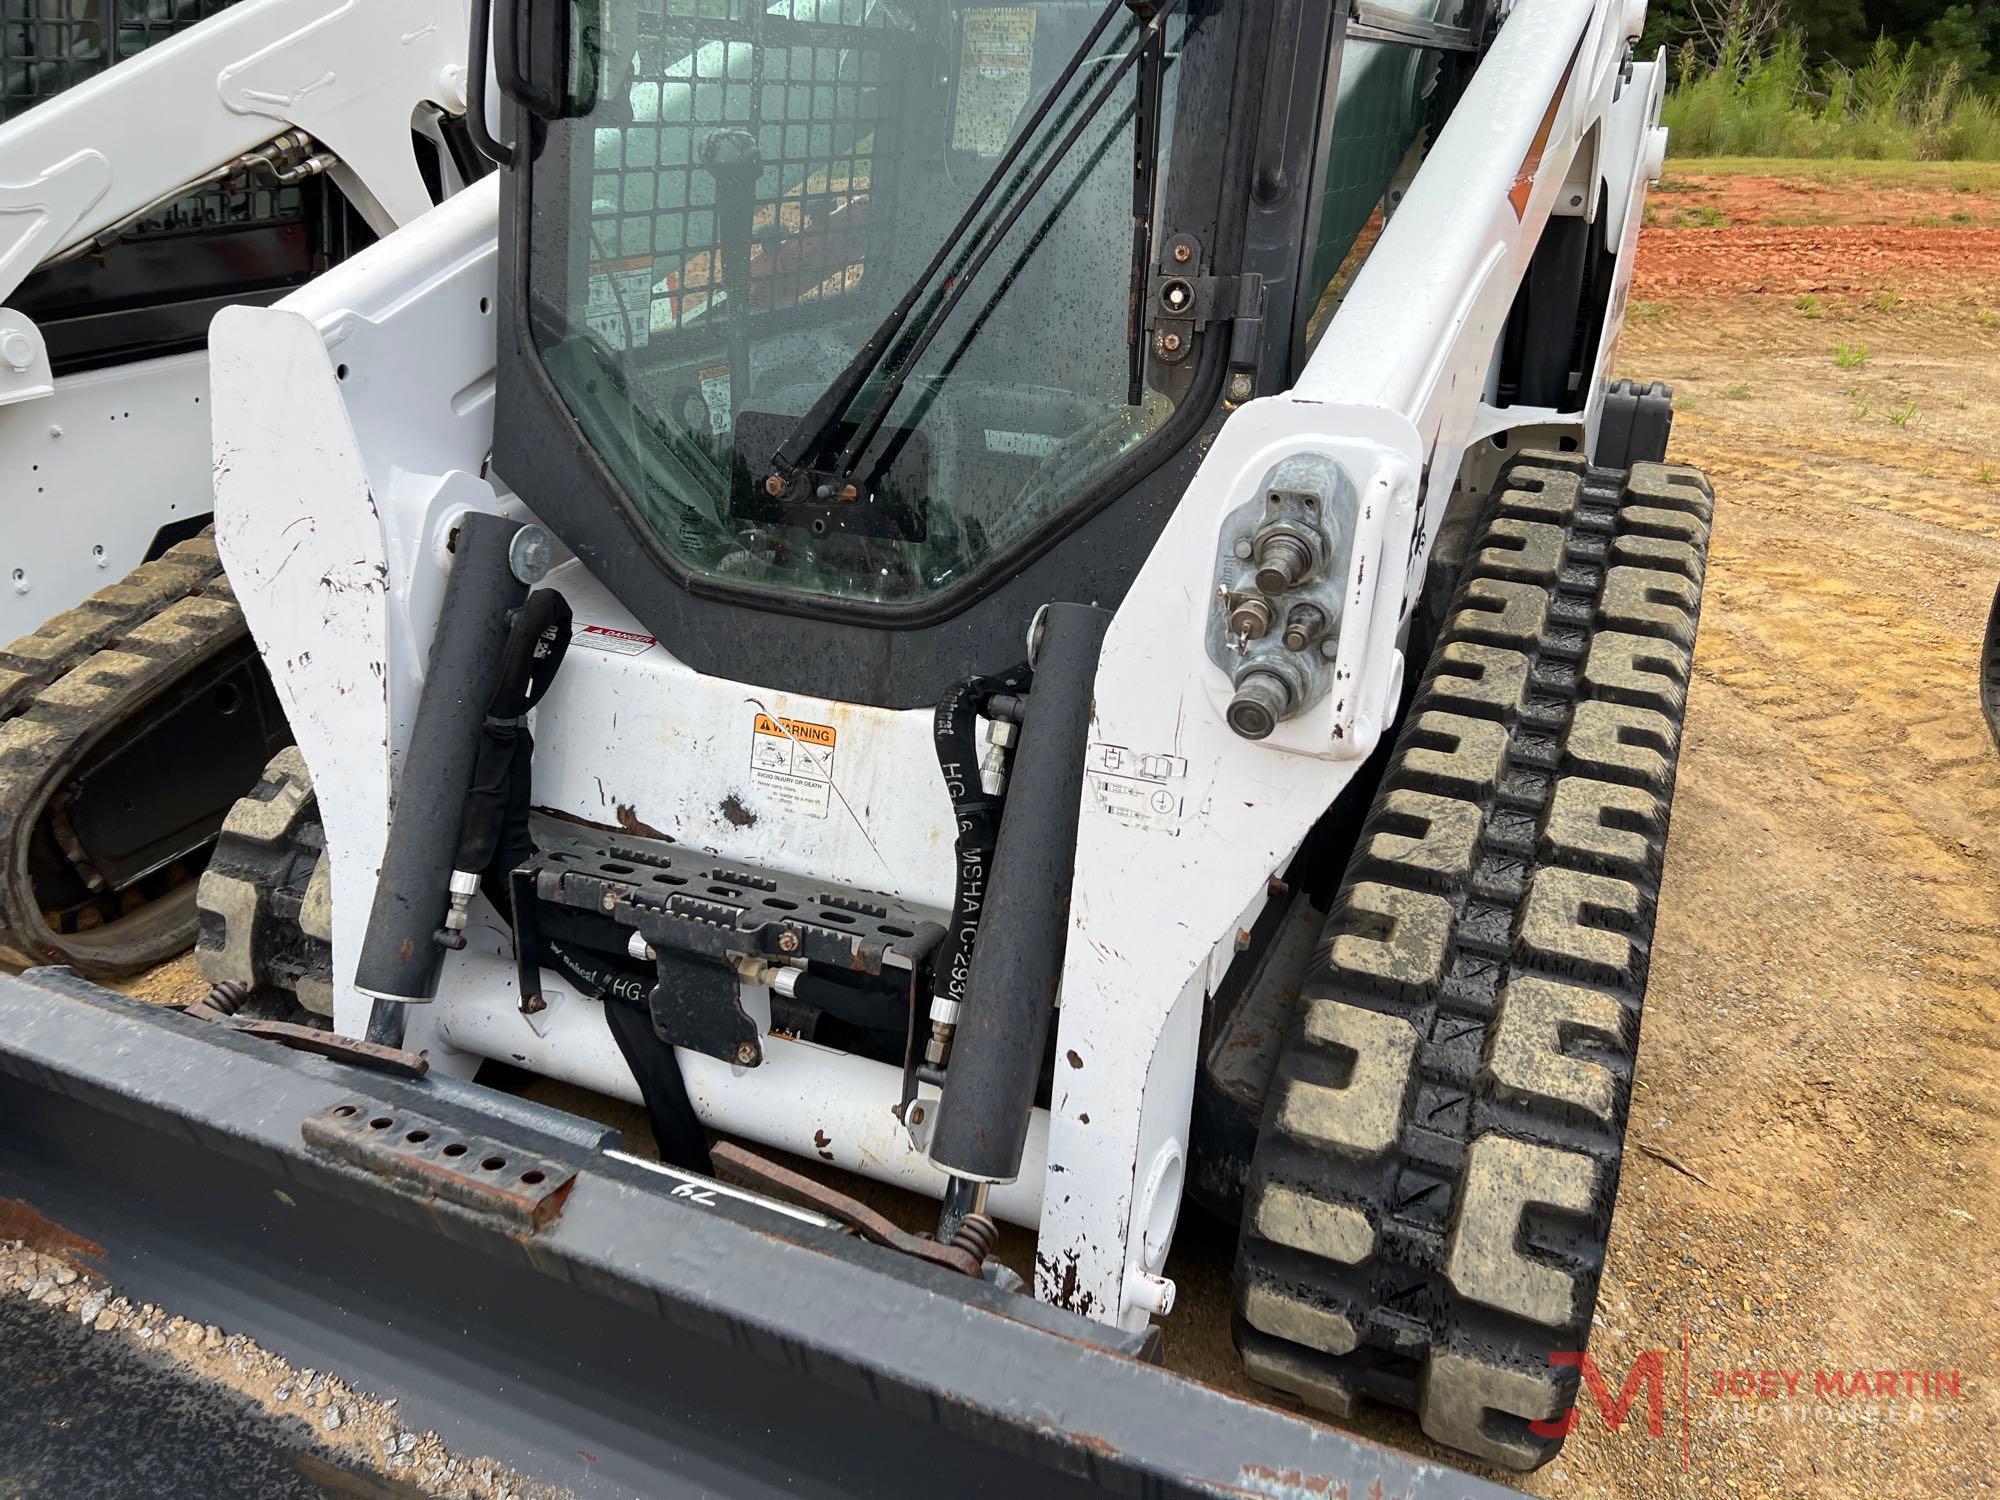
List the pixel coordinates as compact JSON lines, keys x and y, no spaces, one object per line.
{"x":790,"y":471}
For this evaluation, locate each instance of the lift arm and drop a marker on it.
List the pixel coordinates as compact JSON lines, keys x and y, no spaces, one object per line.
{"x":350,"y":76}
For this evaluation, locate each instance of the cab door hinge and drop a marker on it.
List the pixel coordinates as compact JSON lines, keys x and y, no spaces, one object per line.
{"x":1186,"y":300}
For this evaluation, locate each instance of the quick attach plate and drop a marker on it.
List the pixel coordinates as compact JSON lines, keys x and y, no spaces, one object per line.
{"x":473,"y":1171}
{"x":699,"y":914}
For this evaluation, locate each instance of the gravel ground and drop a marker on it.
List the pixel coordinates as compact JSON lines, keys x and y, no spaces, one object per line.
{"x":104,"y":1396}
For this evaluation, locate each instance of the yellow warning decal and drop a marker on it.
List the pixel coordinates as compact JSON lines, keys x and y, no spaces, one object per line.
{"x":791,"y":763}
{"x":822,"y":735}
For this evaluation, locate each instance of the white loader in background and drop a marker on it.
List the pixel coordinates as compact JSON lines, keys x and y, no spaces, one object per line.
{"x":240,"y":153}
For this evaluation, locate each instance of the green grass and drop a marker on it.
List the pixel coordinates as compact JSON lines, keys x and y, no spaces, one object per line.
{"x":1974,"y":177}
{"x":1901,"y":416}
{"x":1773,"y":103}
{"x":1738,"y":393}
{"x":1808,"y":305}
{"x":1848,"y":356}
{"x":1699,"y":218}
{"x":1987,"y":474}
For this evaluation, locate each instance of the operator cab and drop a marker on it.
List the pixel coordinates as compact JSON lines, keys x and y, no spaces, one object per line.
{"x":831,"y":319}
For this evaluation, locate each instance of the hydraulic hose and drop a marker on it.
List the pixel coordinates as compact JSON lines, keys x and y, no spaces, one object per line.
{"x":954,"y":728}
{"x":493,"y":833}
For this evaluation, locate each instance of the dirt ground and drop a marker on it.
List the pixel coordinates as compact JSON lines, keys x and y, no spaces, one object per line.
{"x":1810,"y":1209}
{"x":1813,"y":1181}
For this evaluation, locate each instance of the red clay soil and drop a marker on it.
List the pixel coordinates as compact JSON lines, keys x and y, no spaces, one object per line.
{"x":1841,"y":259}
{"x":1817,"y":193}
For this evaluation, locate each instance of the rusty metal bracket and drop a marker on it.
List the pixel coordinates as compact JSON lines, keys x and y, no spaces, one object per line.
{"x":781,"y":1182}
{"x":371,"y":1055}
{"x":473,"y":1171}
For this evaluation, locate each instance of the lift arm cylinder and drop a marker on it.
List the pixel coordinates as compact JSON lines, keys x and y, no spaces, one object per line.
{"x":1011,"y":992}
{"x":399,"y":954}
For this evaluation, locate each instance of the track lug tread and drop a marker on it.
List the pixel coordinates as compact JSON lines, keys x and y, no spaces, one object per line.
{"x":265,"y":901}
{"x":1437,"y":1168}
{"x":61,"y":687}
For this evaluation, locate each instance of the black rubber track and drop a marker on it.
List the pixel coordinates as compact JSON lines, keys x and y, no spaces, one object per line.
{"x":266,"y":904}
{"x":1989,"y":670}
{"x":64,"y":689}
{"x":1431,"y":1192}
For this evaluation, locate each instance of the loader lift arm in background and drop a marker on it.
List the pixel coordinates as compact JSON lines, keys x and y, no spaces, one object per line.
{"x":131,"y":719}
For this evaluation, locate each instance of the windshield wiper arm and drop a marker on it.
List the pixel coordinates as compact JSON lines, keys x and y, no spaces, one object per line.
{"x":1145,"y":184}
{"x":788,"y":464}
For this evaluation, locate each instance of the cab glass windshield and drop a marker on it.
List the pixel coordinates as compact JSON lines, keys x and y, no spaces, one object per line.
{"x":748,"y":187}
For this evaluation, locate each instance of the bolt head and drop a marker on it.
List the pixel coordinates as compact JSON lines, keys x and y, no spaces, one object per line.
{"x":451,"y":88}
{"x":1242,"y":549}
{"x":1170,"y":342}
{"x":1241,"y":386}
{"x":1183,"y":253}
{"x":530,"y":554}
{"x":746,"y":1054}
{"x":774,"y":485}
{"x":788,"y":942}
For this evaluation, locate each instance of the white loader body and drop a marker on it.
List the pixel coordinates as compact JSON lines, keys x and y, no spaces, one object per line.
{"x":352,"y":425}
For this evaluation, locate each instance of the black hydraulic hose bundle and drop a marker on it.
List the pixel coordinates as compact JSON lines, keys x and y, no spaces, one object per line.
{"x":955,"y":729}
{"x":537,"y":641}
{"x":989,"y":1090}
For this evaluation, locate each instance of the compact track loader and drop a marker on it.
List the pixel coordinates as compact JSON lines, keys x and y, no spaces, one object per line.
{"x":1050,"y":604}
{"x":160,"y":159}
